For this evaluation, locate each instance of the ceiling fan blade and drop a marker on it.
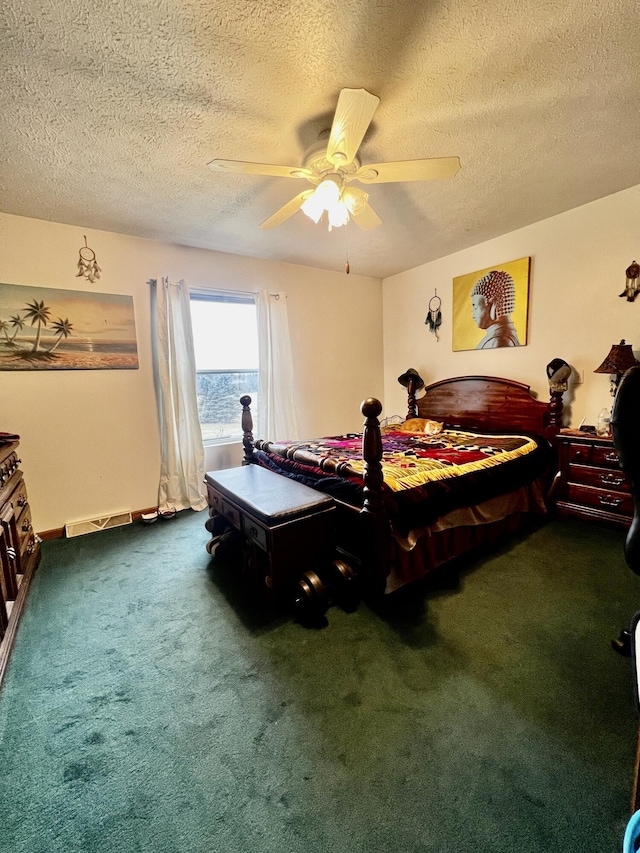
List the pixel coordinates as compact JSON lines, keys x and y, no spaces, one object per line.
{"x":239,"y":166}
{"x":367,"y":218}
{"x":286,"y":210}
{"x":408,"y":170}
{"x":352,"y":118}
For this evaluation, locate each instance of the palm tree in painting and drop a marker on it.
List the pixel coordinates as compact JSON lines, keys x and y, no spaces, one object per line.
{"x":4,"y":327}
{"x":62,"y":329}
{"x":38,"y":313}
{"x":18,"y":324}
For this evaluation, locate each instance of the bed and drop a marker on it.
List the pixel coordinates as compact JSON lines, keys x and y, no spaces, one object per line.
{"x":409,"y":501}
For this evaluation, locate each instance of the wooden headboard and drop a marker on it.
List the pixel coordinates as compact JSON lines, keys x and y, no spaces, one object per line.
{"x":489,"y":403}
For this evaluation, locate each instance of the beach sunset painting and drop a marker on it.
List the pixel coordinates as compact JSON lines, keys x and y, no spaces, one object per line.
{"x":44,"y":328}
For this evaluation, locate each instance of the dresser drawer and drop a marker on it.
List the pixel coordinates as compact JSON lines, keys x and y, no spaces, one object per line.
{"x":230,"y":513}
{"x":214,"y":499}
{"x":26,"y":533}
{"x":254,"y":532}
{"x":19,"y":496}
{"x":601,"y":478}
{"x":609,"y":501}
{"x":221,"y":506}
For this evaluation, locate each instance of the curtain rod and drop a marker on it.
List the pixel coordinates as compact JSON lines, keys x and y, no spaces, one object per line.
{"x":198,"y":289}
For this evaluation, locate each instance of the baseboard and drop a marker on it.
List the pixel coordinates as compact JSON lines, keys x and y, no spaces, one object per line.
{"x":58,"y":532}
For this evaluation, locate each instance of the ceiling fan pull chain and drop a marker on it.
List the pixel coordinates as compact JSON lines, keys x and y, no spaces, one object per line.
{"x":346,"y":251}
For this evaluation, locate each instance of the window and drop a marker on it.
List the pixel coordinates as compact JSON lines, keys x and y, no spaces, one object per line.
{"x":225,"y":338}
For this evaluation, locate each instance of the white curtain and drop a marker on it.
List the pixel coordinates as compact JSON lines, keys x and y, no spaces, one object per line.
{"x":182,"y":464}
{"x":276,"y":418}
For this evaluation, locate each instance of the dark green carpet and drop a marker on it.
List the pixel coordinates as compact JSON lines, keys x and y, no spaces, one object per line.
{"x":149,"y":707}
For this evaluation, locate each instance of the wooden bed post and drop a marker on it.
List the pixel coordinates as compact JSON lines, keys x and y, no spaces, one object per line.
{"x":247,"y":430}
{"x":413,"y":382}
{"x":412,"y":411}
{"x":555,"y":410}
{"x":374,"y":513}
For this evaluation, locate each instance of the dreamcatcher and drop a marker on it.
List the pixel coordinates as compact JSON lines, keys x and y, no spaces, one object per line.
{"x":434,"y":316}
{"x":87,"y":264}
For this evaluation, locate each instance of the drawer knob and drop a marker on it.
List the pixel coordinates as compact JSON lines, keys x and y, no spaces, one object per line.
{"x":22,"y":501}
{"x":254,"y":532}
{"x":26,"y":526}
{"x":611,"y":457}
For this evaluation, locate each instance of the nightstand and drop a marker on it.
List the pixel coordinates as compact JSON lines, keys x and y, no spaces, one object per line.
{"x":592,"y":486}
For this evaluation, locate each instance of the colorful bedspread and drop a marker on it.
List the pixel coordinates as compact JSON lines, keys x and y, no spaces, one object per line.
{"x":424,"y":476}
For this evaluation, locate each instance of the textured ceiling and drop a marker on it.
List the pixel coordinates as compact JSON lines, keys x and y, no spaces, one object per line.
{"x":112,"y":109}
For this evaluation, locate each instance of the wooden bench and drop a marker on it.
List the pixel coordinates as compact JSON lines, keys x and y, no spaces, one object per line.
{"x":289,"y":527}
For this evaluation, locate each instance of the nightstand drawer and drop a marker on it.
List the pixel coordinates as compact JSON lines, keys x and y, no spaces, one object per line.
{"x":579,"y":453}
{"x":607,"y":500}
{"x":606,"y":456}
{"x":601,"y":478}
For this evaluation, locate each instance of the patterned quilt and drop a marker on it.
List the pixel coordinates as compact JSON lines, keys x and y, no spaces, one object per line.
{"x":424,"y":476}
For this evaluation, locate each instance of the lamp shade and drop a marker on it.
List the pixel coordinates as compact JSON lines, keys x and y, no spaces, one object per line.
{"x":619,"y":359}
{"x":411,"y":377}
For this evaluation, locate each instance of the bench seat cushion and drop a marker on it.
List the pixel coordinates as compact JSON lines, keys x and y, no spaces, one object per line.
{"x":268,"y":496}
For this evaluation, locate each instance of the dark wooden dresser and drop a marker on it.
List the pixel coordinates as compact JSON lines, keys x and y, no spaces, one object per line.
{"x":592,"y":485}
{"x":19,"y":548}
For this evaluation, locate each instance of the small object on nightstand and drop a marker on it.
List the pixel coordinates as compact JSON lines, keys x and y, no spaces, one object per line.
{"x":603,"y":427}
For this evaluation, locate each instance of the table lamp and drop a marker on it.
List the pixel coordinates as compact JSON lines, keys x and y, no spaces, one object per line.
{"x":617,"y":362}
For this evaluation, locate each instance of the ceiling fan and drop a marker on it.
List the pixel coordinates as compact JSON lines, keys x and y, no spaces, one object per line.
{"x":332,"y":163}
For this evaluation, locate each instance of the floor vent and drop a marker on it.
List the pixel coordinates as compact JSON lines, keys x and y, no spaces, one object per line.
{"x":91,"y":525}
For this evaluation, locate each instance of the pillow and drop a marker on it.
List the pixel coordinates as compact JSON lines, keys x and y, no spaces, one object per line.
{"x":422,"y":425}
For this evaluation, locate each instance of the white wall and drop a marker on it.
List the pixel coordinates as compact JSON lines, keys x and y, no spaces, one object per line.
{"x":89,"y":439}
{"x":578,"y":268}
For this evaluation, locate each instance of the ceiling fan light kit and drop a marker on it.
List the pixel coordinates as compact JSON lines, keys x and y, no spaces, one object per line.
{"x":337,"y":201}
{"x":332,"y":163}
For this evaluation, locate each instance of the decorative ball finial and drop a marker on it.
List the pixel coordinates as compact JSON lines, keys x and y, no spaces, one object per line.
{"x":371,"y":407}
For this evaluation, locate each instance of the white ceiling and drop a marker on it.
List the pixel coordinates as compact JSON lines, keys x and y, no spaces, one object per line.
{"x":112,"y":109}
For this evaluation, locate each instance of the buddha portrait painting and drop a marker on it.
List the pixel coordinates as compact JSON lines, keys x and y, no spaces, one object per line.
{"x":490,"y":307}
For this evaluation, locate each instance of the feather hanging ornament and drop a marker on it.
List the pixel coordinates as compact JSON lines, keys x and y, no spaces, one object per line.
{"x":434,"y":316}
{"x":87,"y":264}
